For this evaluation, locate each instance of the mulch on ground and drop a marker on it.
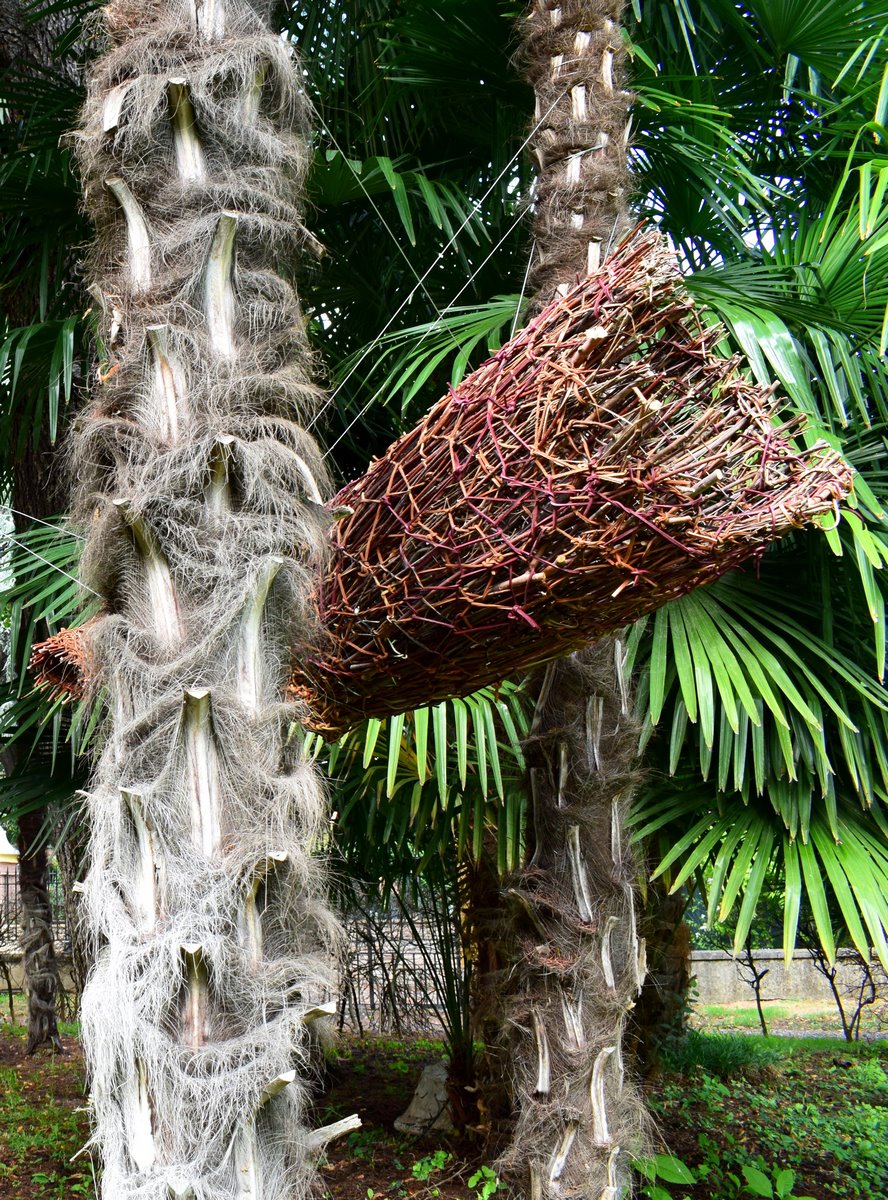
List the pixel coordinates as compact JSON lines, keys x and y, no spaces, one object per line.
{"x":43,"y":1122}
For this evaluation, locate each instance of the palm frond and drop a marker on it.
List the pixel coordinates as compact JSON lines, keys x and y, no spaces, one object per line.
{"x":777,"y":703}
{"x":37,"y":371}
{"x":335,"y":179}
{"x":38,"y":786}
{"x":738,"y":847}
{"x":439,"y":352}
{"x":434,"y":777}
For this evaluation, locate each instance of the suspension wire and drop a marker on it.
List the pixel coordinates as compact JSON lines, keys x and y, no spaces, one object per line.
{"x":428,"y":332}
{"x":360,"y":182}
{"x":450,"y":242}
{"x":27,"y":549}
{"x":530,"y":258}
{"x":48,"y":524}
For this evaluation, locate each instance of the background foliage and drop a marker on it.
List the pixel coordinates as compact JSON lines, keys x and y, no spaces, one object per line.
{"x":759,"y":147}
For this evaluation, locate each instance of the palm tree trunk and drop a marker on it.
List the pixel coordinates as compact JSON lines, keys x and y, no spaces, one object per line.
{"x":39,"y":964}
{"x":201,"y":496}
{"x":36,"y":491}
{"x":659,"y":1017}
{"x":574,"y":56}
{"x":574,"y":964}
{"x":71,"y":857}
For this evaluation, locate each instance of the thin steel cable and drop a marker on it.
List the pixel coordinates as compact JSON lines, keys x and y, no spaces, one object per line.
{"x":523,"y":291}
{"x":348,"y":162}
{"x":451,"y":241}
{"x":428,"y":332}
{"x":27,"y":549}
{"x":39,"y":521}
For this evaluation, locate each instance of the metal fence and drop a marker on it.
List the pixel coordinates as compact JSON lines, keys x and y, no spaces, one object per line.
{"x":392,"y":975}
{"x":10,"y":912}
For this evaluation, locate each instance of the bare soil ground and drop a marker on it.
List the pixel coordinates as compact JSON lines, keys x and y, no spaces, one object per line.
{"x":43,"y":1121}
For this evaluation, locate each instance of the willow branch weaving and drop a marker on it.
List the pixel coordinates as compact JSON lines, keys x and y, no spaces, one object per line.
{"x":605,"y":461}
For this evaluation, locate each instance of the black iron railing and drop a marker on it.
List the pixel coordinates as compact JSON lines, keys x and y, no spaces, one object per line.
{"x":10,"y":909}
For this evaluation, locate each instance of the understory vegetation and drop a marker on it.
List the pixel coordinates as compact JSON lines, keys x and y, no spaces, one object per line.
{"x":735,"y":1114}
{"x":757,"y":148}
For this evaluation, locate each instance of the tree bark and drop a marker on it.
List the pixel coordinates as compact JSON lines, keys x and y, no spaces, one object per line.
{"x":39,"y":962}
{"x":201,"y":496}
{"x":573,"y":54}
{"x":659,"y":1016}
{"x":574,"y":964}
{"x":36,"y":492}
{"x":71,"y":857}
{"x":570,"y":962}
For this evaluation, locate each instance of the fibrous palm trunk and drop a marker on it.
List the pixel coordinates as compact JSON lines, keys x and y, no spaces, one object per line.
{"x":70,"y":856}
{"x":39,"y":963}
{"x":659,"y":1018}
{"x":574,"y":964}
{"x":574,"y":56}
{"x":577,"y":963}
{"x":201,"y":495}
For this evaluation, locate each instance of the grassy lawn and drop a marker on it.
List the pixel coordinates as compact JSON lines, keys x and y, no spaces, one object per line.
{"x":798,"y":1016}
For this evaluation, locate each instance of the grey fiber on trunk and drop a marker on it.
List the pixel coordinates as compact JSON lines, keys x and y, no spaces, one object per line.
{"x":201,"y":496}
{"x":574,"y":963}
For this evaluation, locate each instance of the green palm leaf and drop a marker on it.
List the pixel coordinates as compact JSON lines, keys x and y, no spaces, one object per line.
{"x":738,"y":848}
{"x":425,"y":790}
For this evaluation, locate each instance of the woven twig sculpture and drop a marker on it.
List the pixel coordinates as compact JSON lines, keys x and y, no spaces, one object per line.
{"x":605,"y":461}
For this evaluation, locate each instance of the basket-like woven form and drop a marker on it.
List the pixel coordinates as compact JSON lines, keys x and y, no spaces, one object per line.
{"x":605,"y":461}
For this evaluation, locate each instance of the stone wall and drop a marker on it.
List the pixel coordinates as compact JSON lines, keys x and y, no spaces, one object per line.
{"x":719,"y":980}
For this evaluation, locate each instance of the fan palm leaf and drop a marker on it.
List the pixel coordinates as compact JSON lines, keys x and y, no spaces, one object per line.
{"x":767,"y":700}
{"x":736,"y":847}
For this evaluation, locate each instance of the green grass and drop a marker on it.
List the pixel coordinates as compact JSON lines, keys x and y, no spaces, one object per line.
{"x":800,"y":1015}
{"x":739,"y":1014}
{"x":722,"y":1054}
{"x":829,"y":1045}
